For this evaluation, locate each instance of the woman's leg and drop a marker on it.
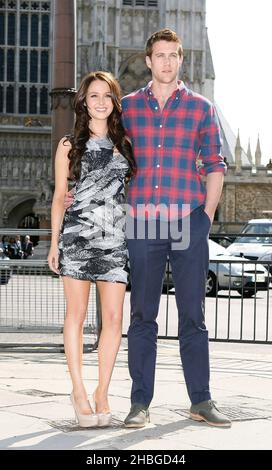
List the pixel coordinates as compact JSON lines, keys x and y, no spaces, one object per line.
{"x":111,"y":299}
{"x":77,"y":297}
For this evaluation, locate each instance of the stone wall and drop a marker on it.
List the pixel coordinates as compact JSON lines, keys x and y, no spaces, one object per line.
{"x":241,"y":202}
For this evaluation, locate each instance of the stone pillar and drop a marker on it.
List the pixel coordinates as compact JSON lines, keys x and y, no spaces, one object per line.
{"x":64,"y":70}
{"x":1,"y":212}
{"x":62,"y":93}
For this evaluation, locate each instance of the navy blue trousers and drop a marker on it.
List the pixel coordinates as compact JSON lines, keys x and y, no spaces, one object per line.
{"x":148,"y":259}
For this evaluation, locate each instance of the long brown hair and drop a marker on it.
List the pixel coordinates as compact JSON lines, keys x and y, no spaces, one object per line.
{"x":82,"y":132}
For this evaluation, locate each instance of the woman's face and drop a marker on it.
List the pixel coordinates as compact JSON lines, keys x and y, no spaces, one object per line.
{"x":98,"y":100}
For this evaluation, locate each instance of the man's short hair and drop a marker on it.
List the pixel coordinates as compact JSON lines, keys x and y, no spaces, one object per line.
{"x":163,"y":35}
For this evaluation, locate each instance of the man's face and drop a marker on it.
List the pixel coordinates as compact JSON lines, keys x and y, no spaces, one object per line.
{"x":164,"y":62}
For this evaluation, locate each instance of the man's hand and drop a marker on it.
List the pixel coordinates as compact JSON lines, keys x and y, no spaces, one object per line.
{"x":68,"y":199}
{"x":214,"y":185}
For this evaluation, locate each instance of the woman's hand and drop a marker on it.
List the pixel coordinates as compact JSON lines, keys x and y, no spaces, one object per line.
{"x":53,"y":259}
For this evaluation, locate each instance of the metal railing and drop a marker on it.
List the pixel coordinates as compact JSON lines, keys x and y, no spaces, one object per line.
{"x":239,"y":311}
{"x":32,"y":301}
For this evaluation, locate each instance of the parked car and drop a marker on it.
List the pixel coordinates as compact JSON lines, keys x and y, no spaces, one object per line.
{"x":247,"y":279}
{"x":267,"y":257}
{"x":225,"y":275}
{"x":252,"y":247}
{"x":5,"y":270}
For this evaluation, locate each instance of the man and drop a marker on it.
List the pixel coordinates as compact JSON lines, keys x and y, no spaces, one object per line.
{"x":170,"y":127}
{"x":27,"y":247}
{"x":18,"y":245}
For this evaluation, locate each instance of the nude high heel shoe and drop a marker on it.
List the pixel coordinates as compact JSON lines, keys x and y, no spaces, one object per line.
{"x":104,"y":419}
{"x":84,"y":421}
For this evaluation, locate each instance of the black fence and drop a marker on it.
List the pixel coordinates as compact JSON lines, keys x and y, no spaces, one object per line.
{"x":238,"y":308}
{"x":32,"y":304}
{"x":238,"y":302}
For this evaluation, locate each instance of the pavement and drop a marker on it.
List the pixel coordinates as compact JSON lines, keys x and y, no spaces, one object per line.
{"x":35,"y":410}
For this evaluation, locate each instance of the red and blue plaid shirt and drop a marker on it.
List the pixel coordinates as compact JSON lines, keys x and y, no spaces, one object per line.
{"x":168,"y":145}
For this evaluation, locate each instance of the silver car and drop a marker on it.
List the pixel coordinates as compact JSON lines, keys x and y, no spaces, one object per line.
{"x":253,"y":245}
{"x":247,"y":279}
{"x":267,"y":256}
{"x":224,"y":274}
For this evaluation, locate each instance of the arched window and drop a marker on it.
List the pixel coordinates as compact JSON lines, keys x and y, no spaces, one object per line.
{"x":1,"y":98}
{"x":34,"y":30}
{"x":34,"y":66}
{"x":45,"y":31}
{"x":10,"y":99}
{"x":44,"y":67}
{"x":141,"y":3}
{"x":2,"y":55}
{"x":44,"y":100}
{"x":33,"y":100}
{"x":23,"y":66}
{"x":23,"y":30}
{"x":11,"y":29}
{"x":25,"y":56}
{"x":10,"y":68}
{"x":22,"y":100}
{"x":2,"y":28}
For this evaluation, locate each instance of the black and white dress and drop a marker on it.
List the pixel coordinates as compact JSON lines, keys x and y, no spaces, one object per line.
{"x":92,"y":244}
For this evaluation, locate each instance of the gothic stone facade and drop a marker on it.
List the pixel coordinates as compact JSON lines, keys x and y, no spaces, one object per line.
{"x":110,"y":35}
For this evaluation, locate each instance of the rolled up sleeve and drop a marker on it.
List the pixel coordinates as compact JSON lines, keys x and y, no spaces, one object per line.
{"x":210,"y":144}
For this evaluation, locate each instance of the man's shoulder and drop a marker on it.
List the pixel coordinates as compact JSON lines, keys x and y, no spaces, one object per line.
{"x":133,"y":96}
{"x":197,"y":99}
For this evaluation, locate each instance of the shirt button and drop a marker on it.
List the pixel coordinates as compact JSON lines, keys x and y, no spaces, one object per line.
{"x":158,"y":166}
{"x":156,"y":186}
{"x":159,"y":145}
{"x":156,"y":107}
{"x":160,"y":125}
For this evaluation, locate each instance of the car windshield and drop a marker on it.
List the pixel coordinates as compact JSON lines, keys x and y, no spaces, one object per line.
{"x":255,"y":229}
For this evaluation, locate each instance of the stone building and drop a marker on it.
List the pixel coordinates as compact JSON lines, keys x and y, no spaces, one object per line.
{"x":247,"y":192}
{"x":25,"y":121}
{"x":110,"y":35}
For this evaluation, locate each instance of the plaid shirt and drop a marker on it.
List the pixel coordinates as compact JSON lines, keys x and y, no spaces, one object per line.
{"x":168,"y":145}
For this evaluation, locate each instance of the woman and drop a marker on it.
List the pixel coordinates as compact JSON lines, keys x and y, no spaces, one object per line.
{"x":91,"y":245}
{"x":5,"y":245}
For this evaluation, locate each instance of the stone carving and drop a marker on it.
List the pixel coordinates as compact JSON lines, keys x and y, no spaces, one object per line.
{"x":62,"y":97}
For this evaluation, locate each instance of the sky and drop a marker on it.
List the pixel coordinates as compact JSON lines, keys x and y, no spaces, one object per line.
{"x":240,"y":35}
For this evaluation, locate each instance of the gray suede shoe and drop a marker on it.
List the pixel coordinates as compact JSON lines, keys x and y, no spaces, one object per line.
{"x":207,"y":411}
{"x":138,"y":416}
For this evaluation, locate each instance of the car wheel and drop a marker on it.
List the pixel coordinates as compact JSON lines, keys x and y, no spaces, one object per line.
{"x":246,"y":293}
{"x":211,"y":285}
